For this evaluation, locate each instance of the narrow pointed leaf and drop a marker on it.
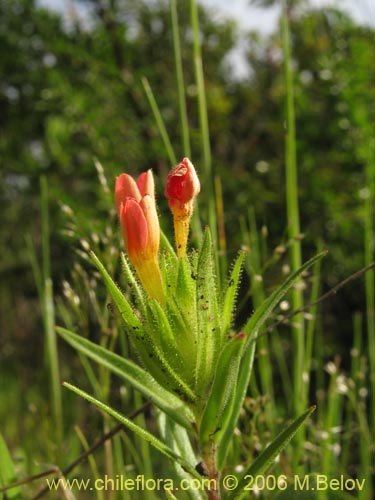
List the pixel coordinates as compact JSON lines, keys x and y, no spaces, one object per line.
{"x":171,"y":379}
{"x":177,"y":438}
{"x":252,"y":328}
{"x":164,"y":330}
{"x":132,"y":373}
{"x":122,"y":304}
{"x":147,"y":436}
{"x":167,"y":348}
{"x":231,"y":292}
{"x":185,"y":288}
{"x":265,"y":459}
{"x":238,"y":399}
{"x":208,"y":337}
{"x":166,"y":246}
{"x":216,"y":412}
{"x":132,"y":282}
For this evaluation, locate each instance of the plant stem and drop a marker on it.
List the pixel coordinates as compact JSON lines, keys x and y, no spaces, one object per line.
{"x":49,"y":317}
{"x":203,"y":120}
{"x":370,"y":275}
{"x":180,"y":80}
{"x":202,"y":104}
{"x":293,"y":215}
{"x":212,"y":473}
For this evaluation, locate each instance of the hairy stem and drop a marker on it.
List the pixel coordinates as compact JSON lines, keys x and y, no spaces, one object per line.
{"x":212,"y":473}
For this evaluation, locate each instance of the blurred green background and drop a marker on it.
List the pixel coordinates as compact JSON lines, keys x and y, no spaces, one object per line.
{"x":71,"y":96}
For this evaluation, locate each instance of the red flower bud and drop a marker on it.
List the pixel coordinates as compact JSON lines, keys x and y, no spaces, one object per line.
{"x":182,"y":187}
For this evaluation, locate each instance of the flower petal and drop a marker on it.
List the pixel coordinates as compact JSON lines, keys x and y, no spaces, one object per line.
{"x":182,"y":183}
{"x":149,"y":209}
{"x":146,"y":183}
{"x":134,"y":227}
{"x":125,"y":187}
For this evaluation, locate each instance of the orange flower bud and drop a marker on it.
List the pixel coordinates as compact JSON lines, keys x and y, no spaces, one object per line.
{"x":182,"y":187}
{"x":139,"y":221}
{"x":126,"y":187}
{"x":146,"y":184}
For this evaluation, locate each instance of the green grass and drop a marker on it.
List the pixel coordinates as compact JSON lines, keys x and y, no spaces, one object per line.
{"x":293,"y":219}
{"x":43,"y":281}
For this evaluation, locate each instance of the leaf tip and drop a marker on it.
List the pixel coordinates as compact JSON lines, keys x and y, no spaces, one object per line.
{"x":240,"y":336}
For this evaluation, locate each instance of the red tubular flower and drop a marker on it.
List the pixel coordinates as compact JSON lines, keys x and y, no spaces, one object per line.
{"x":139,"y":221}
{"x":182,"y":187}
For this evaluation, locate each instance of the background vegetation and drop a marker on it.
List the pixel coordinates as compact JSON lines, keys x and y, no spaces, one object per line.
{"x":74,"y":110}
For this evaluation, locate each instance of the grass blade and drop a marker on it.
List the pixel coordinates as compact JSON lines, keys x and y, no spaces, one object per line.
{"x":159,"y":121}
{"x":293,"y":214}
{"x":180,"y":80}
{"x":48,"y":312}
{"x":49,"y":325}
{"x":203,"y":118}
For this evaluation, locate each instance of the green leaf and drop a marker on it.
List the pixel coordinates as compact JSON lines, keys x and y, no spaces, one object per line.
{"x":216,"y":413}
{"x":177,"y":438}
{"x":252,"y":329}
{"x":166,"y":247}
{"x":208,"y":335}
{"x":7,"y":473}
{"x":147,"y":436}
{"x":170,"y":378}
{"x":122,"y":304}
{"x":238,"y":399}
{"x":133,"y":283}
{"x":265,"y":459}
{"x":231,"y":292}
{"x":163,"y":328}
{"x":185,"y":288}
{"x":161,"y":325}
{"x":169,"y":268}
{"x":132,"y":373}
{"x":147,"y":350}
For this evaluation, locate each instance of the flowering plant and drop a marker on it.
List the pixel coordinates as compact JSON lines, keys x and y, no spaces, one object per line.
{"x":178,"y":319}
